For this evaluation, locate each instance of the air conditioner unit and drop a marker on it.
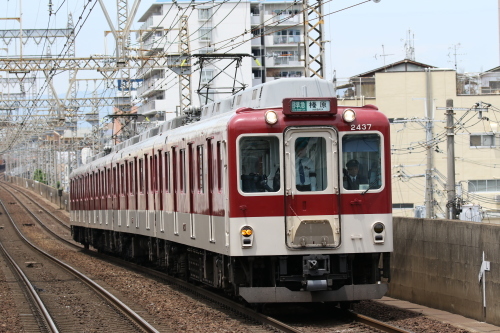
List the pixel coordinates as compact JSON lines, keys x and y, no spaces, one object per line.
{"x":496,"y":198}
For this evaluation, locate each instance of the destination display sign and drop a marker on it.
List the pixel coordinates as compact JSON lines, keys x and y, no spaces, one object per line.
{"x":310,"y":106}
{"x":307,"y":107}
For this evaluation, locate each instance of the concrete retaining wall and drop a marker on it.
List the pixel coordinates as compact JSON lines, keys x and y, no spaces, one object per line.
{"x":437,"y":262}
{"x":49,"y":193}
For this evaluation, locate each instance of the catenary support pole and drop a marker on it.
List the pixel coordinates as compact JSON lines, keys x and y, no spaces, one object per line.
{"x":451,"y":210}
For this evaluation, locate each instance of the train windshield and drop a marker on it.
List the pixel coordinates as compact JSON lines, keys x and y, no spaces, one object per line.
{"x":259,"y":164}
{"x":310,"y":164}
{"x":361,"y":161}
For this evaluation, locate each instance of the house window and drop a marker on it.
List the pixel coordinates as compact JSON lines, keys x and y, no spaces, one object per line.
{"x":284,"y":57}
{"x":257,"y":73}
{"x":482,"y":140}
{"x":484,"y":185}
{"x":204,"y":14}
{"x":289,"y":36}
{"x":207,"y":74}
{"x":403,"y":206}
{"x":205,"y":34}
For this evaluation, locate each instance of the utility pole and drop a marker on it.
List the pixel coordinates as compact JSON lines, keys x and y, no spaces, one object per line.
{"x":429,"y":133}
{"x":451,"y":209}
{"x":451,"y":206}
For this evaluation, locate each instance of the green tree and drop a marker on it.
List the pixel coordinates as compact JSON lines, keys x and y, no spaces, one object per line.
{"x":40,"y":176}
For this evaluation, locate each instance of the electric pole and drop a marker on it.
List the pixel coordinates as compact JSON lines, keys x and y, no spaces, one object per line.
{"x":451,"y":209}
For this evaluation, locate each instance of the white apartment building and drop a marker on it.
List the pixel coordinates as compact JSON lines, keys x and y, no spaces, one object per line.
{"x":269,"y":31}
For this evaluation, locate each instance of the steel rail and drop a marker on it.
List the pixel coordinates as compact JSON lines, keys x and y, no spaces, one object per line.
{"x":384,"y":327}
{"x":143,"y":324}
{"x":49,"y":322}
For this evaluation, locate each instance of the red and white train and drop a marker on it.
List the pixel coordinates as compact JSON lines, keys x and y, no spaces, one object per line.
{"x":256,"y":197}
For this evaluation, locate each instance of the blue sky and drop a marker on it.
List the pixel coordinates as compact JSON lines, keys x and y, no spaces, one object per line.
{"x":356,"y":35}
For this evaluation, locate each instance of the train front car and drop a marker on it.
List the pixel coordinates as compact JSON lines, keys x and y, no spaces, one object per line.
{"x":310,"y":212}
{"x":276,"y":194}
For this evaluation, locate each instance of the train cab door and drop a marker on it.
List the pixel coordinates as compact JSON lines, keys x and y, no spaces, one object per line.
{"x":311,"y":188}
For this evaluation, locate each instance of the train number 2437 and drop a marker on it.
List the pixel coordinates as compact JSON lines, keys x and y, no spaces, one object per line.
{"x":361,"y":127}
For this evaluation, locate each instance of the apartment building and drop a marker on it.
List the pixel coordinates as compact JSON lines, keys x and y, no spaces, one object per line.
{"x":413,"y":96}
{"x":269,"y":32}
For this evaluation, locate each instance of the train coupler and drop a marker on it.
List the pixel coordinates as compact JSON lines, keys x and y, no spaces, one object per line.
{"x":315,"y":269}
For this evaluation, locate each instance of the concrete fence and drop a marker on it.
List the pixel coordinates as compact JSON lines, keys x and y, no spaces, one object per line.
{"x":49,"y":193}
{"x":437,"y":263}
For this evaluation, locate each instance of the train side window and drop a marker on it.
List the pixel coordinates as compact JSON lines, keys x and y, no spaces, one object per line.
{"x":361,"y":161}
{"x":259,"y":164}
{"x":219,"y":166}
{"x":141,"y":176}
{"x":199,"y":155}
{"x":103,"y":183}
{"x":110,"y":186}
{"x":182,"y":170}
{"x":167,"y":171}
{"x":130,"y":176}
{"x":153,"y":160}
{"x":122,"y":180}
{"x":147,"y":173}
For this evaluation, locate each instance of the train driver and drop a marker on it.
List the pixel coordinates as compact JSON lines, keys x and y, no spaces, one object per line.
{"x":305,"y":170}
{"x":352,"y":178}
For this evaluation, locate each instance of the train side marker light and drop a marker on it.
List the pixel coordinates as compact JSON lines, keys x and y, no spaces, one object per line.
{"x":349,"y":115}
{"x":378,"y":232}
{"x":271,"y":117}
{"x":246,"y":236}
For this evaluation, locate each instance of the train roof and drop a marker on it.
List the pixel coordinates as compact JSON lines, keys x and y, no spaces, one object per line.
{"x":266,"y":95}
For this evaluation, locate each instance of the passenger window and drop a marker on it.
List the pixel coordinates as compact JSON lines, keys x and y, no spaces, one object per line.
{"x":259,"y":164}
{"x":361,"y":161}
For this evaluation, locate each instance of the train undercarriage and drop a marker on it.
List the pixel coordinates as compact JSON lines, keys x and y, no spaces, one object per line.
{"x":331,"y":277}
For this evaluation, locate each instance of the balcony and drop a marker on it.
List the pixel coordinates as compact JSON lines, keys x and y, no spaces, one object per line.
{"x":286,"y":40}
{"x":284,"y":61}
{"x":255,"y":19}
{"x":154,"y":105}
{"x":286,"y":19}
{"x":151,"y":85}
{"x":155,"y":44}
{"x":256,"y":41}
{"x":152,"y":22}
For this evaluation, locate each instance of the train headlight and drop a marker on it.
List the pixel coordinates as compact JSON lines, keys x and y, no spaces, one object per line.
{"x":349,"y":115}
{"x":378,"y":227}
{"x":271,"y":117}
{"x":378,"y":233}
{"x":246,"y":236}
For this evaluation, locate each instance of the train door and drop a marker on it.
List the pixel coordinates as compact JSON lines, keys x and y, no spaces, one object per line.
{"x":311,"y":185}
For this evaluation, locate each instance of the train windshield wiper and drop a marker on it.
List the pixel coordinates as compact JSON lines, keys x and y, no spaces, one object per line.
{"x":369,"y":188}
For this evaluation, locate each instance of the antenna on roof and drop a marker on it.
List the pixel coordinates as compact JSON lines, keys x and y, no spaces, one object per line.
{"x":454,"y":48}
{"x":410,"y":46}
{"x":383,"y":55}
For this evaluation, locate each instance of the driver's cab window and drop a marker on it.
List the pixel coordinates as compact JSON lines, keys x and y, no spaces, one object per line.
{"x":361,"y":159}
{"x":310,"y":164}
{"x":259,"y":164}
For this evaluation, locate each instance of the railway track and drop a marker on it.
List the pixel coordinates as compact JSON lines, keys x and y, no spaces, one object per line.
{"x":72,"y":299}
{"x":258,"y":322}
